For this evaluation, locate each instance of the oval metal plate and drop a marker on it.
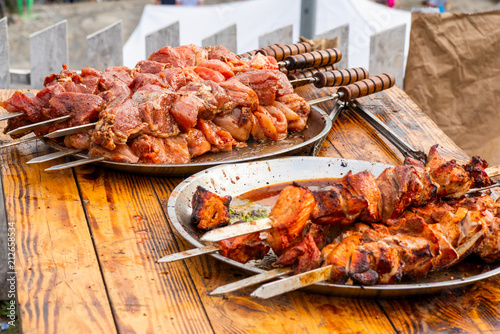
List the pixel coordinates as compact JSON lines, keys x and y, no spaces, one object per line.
{"x":318,"y":126}
{"x":236,"y":179}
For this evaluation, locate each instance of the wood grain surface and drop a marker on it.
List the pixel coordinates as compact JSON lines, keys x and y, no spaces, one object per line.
{"x":88,"y":240}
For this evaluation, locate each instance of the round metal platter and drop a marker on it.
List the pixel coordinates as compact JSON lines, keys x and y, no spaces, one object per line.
{"x":305,"y":142}
{"x":236,"y":179}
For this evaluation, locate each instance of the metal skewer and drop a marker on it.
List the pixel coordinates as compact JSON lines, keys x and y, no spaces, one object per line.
{"x":30,"y":127}
{"x":10,"y":115}
{"x":252,"y":280}
{"x":20,"y":141}
{"x":52,"y":156}
{"x":189,"y":253}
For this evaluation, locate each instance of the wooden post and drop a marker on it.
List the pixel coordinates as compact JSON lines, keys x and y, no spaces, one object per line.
{"x":282,"y":35}
{"x":167,"y":36}
{"x":48,"y":52}
{"x":387,"y":53}
{"x":105,"y":47}
{"x":343,"y":33}
{"x":308,"y":18}
{"x":225,"y":37}
{"x":4,"y":55}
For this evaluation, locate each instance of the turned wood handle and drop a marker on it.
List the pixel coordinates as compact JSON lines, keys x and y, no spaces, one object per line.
{"x":366,"y":86}
{"x":309,"y":72}
{"x":248,"y":54}
{"x":340,"y":77}
{"x":280,"y":51}
{"x":313,"y":59}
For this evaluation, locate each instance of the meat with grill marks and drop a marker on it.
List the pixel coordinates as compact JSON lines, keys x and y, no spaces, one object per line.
{"x":244,"y":248}
{"x":209,"y":209}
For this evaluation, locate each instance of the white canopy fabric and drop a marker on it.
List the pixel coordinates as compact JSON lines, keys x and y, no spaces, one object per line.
{"x":253,"y":18}
{"x":257,"y":17}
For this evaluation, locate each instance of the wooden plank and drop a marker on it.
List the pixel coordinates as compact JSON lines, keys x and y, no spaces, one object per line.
{"x":295,"y":312}
{"x":56,"y":265}
{"x":167,"y":36}
{"x":48,"y":52}
{"x":105,"y":47}
{"x":225,"y":37}
{"x":343,"y":33}
{"x":387,"y":53}
{"x":130,"y":233}
{"x":4,"y":55}
{"x":282,"y":35}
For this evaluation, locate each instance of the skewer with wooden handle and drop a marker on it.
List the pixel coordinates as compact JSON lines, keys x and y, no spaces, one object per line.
{"x":309,"y":72}
{"x":311,"y":59}
{"x":333,"y":78}
{"x":280,"y":51}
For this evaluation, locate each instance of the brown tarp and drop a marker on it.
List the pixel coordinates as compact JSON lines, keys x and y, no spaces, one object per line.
{"x":453,"y":74}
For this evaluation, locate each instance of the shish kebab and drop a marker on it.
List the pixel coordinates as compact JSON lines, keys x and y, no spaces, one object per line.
{"x":176,"y":118}
{"x":436,"y":164}
{"x":292,"y":62}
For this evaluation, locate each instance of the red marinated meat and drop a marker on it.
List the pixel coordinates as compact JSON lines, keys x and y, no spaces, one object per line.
{"x":209,"y":74}
{"x":261,"y":62}
{"x":223,"y":54}
{"x":171,"y":150}
{"x":240,"y":94}
{"x":185,"y":111}
{"x":214,"y":97}
{"x":80,"y":141}
{"x":220,"y":139}
{"x":117,"y":124}
{"x":262,"y":82}
{"x":154,"y":109}
{"x":121,"y":153}
{"x":182,"y":56}
{"x":239,"y":123}
{"x":178,"y":77}
{"x":149,"y":66}
{"x":83,"y":108}
{"x":142,"y":79}
{"x":219,"y":66}
{"x":91,"y":79}
{"x":197,"y":143}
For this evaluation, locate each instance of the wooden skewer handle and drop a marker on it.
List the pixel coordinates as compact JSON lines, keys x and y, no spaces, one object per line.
{"x":313,"y":59}
{"x":366,"y":87}
{"x":280,"y":51}
{"x":309,"y":72}
{"x":339,"y":77}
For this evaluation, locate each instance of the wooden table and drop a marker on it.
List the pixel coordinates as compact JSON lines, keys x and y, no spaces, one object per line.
{"x":87,"y":240}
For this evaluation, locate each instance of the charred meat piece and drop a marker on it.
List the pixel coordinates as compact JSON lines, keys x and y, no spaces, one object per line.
{"x":375,"y":263}
{"x":475,"y":168}
{"x":337,"y":206}
{"x":338,"y":255}
{"x":289,"y":217}
{"x":304,"y":256}
{"x":452,"y":178}
{"x":209,"y":209}
{"x":399,"y":188}
{"x":364,"y":184}
{"x":244,"y":248}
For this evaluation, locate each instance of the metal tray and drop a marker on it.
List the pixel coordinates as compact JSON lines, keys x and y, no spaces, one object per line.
{"x":236,"y":179}
{"x":304,"y":143}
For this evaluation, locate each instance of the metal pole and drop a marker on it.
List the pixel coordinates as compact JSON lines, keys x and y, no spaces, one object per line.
{"x":308,"y":18}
